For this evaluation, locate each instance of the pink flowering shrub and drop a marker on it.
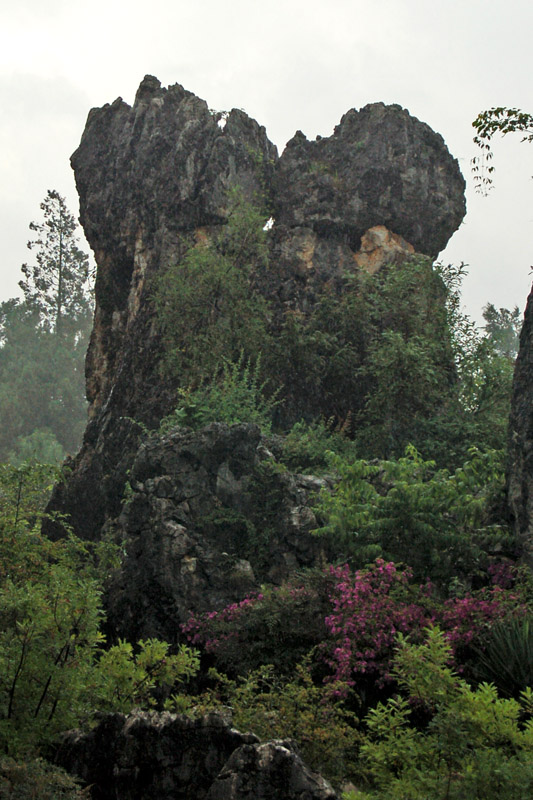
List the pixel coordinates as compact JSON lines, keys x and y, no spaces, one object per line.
{"x":278,"y":626}
{"x":354,"y":616}
{"x":371,"y":606}
{"x":211,"y":630}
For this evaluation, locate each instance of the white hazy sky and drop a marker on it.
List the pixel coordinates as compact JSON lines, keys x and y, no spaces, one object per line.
{"x":291,"y":64}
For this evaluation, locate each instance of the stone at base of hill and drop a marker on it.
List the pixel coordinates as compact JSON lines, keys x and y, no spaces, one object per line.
{"x":273,"y":771}
{"x":147,"y":755}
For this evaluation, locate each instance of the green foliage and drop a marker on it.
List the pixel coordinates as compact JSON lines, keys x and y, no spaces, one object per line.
{"x":373,"y":355}
{"x":207,"y":305}
{"x":276,"y":708}
{"x":408,"y":511}
{"x":506,"y":655}
{"x":306,"y":444}
{"x":487,"y":124}
{"x":40,"y":446}
{"x":123,"y":678}
{"x":407,"y":389}
{"x":37,"y":780}
{"x":54,"y":672}
{"x":503,"y":329}
{"x":278,"y":626}
{"x":43,"y":341}
{"x":234,"y":394}
{"x":388,"y":359}
{"x":478,"y":411}
{"x":42,"y":385}
{"x":475,"y":744}
{"x":58,"y":286}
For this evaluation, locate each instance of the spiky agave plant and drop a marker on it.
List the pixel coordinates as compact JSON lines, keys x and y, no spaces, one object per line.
{"x":506,"y":658}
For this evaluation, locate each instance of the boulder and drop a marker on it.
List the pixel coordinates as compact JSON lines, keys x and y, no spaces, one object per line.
{"x":209,"y":518}
{"x":148,"y":755}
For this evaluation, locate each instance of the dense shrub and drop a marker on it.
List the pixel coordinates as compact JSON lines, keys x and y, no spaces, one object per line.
{"x":440,"y":523}
{"x":354,"y":617}
{"x":54,"y":670}
{"x":276,"y":626}
{"x":235,"y":393}
{"x":475,"y":745}
{"x":370,"y":607}
{"x":293,"y":707}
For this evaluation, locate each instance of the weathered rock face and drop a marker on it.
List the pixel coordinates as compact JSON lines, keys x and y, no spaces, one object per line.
{"x":204,"y":525}
{"x":146,"y":175}
{"x":380,"y":167}
{"x":520,"y":456}
{"x":148,"y":755}
{"x":154,"y":177}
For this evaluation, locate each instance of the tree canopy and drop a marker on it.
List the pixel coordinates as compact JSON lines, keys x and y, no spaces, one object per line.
{"x":43,"y":340}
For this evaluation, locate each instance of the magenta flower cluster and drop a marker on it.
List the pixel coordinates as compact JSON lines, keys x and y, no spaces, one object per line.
{"x":369,"y":609}
{"x":371,"y":606}
{"x":215,"y":627}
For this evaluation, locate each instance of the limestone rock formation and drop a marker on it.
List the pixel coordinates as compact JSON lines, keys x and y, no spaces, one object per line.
{"x":380,"y":167}
{"x":147,"y":755}
{"x":520,"y":453}
{"x":154,"y":176}
{"x":199,"y":532}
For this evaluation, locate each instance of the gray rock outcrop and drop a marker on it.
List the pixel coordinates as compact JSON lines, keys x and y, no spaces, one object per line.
{"x":380,"y":167}
{"x":204,"y":526}
{"x":153,"y":177}
{"x":520,"y":451}
{"x":147,"y":755}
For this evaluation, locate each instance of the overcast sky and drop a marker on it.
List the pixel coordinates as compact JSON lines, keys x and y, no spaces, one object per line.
{"x":291,"y":64}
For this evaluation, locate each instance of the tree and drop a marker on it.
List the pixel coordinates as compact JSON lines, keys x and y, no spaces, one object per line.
{"x":488,"y":123}
{"x":58,"y":286}
{"x":43,"y":340}
{"x":41,"y":384}
{"x":54,"y":670}
{"x":503,"y":329}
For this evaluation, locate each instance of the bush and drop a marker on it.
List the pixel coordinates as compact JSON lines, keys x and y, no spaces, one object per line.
{"x":306,"y":446}
{"x":370,"y":607}
{"x":410,"y":512}
{"x":54,"y":672}
{"x":273,"y":707}
{"x":207,"y":306}
{"x":234,"y":394}
{"x":37,"y":780}
{"x":277,"y":626}
{"x":475,"y":745}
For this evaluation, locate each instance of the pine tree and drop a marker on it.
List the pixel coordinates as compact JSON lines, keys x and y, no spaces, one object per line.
{"x":58,"y":286}
{"x":43,"y":340}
